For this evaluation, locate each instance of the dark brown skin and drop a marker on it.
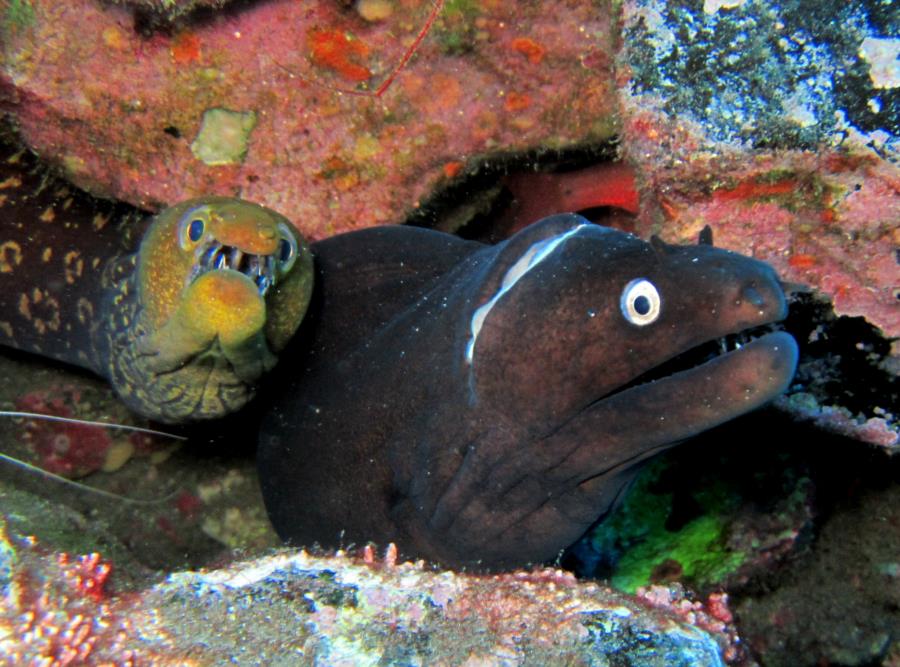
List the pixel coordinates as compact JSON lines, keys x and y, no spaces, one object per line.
{"x":494,"y":438}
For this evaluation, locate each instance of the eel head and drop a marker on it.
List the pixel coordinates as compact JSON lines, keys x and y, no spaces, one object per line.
{"x":221,"y":286}
{"x":587,"y":351}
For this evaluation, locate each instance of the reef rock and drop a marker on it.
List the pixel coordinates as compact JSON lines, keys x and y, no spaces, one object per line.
{"x":303,"y":105}
{"x":296,"y":608}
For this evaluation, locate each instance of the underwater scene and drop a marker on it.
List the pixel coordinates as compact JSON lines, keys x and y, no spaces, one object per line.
{"x":445,"y":332}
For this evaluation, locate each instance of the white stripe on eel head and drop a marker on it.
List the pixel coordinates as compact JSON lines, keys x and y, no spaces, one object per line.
{"x":535,"y":254}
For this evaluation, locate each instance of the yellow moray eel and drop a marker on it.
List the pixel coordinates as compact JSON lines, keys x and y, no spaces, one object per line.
{"x":182,"y":312}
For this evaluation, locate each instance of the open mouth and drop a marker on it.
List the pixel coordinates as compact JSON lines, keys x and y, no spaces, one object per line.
{"x":212,"y":256}
{"x":701,"y":354}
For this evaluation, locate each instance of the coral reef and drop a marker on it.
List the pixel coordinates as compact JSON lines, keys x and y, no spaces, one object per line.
{"x":804,"y":542}
{"x":71,"y":450}
{"x":829,"y":218}
{"x":775,"y":127}
{"x":160,"y":13}
{"x":325,"y":150}
{"x":150,"y":492}
{"x":338,"y":609}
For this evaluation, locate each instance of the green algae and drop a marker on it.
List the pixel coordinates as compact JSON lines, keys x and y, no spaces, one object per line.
{"x":455,"y":29}
{"x":224,"y":136}
{"x":18,"y":17}
{"x":696,"y":551}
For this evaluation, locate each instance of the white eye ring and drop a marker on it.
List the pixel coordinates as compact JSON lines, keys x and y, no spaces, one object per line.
{"x":287,"y":249}
{"x":640,"y":302}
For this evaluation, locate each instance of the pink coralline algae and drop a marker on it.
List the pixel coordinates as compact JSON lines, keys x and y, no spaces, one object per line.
{"x":827,"y":219}
{"x":482,"y":77}
{"x":75,"y":450}
{"x":86,"y":574}
{"x":875,"y":430}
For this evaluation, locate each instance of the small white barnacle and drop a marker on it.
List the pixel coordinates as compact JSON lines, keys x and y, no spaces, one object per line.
{"x":640,"y":302}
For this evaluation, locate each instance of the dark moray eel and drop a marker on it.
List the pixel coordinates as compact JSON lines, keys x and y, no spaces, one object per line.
{"x":482,"y":406}
{"x":182,"y":312}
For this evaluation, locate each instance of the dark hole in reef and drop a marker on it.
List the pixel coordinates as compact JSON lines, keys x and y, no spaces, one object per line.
{"x":610,"y":216}
{"x":843,"y":360}
{"x":149,"y":21}
{"x":471,"y":204}
{"x":685,"y":508}
{"x":172,"y":131}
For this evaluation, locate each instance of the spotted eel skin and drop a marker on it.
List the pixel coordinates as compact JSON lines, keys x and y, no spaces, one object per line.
{"x":182,"y":312}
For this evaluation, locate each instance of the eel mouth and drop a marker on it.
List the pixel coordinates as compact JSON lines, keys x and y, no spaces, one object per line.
{"x":213,"y":256}
{"x":702,"y":354}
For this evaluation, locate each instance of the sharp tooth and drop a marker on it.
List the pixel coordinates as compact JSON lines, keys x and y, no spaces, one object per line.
{"x":235,"y":259}
{"x":210,"y":255}
{"x":723,"y":346}
{"x":221,"y":261}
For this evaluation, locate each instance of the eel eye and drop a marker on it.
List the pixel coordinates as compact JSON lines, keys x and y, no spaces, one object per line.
{"x":195,"y":229}
{"x":191,"y":231}
{"x":287,"y":249}
{"x":640,"y":302}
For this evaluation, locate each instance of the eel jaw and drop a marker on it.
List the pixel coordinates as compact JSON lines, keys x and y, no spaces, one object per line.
{"x":213,"y":256}
{"x":743,"y":373}
{"x":704,"y":353}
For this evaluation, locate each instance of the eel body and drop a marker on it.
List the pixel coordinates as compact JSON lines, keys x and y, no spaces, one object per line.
{"x":181,"y":312}
{"x":483,"y":406}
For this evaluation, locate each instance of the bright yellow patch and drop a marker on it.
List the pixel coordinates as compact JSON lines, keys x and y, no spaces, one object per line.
{"x":74,"y":266}
{"x":227,"y":304}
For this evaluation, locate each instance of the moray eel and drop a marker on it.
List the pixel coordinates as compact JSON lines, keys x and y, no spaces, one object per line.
{"x":483,"y":406}
{"x":182,"y":312}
